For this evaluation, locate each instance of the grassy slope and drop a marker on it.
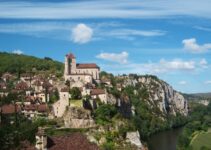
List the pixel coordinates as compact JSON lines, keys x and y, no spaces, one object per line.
{"x":76,"y":103}
{"x":14,"y":63}
{"x":201,"y":139}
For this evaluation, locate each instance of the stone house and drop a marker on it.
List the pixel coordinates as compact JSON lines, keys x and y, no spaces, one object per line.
{"x":99,"y":93}
{"x":60,"y":106}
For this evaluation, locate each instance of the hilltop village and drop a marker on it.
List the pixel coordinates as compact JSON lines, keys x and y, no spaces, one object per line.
{"x":91,"y":108}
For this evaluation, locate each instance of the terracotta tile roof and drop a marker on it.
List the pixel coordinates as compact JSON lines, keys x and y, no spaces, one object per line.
{"x":65,"y":89}
{"x":46,"y":84}
{"x":84,"y":66}
{"x":42,"y":108}
{"x":70,"y":56}
{"x":97,"y":91}
{"x":33,"y":107}
{"x":21,"y":86}
{"x":83,"y":74}
{"x":75,"y":141}
{"x":10,"y":109}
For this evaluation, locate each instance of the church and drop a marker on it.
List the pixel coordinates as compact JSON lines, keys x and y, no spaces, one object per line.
{"x":80,"y":72}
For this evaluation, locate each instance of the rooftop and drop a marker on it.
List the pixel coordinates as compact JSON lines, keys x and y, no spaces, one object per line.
{"x":85,"y":66}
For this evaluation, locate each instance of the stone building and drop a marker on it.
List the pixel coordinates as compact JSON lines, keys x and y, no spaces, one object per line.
{"x":80,"y":72}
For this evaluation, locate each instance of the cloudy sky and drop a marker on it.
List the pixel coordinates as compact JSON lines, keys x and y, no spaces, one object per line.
{"x":170,"y":39}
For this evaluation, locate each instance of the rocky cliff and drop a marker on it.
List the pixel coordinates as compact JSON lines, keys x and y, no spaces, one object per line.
{"x":159,"y":94}
{"x":78,"y":118}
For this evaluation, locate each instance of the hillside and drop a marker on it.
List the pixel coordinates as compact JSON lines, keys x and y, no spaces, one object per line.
{"x":198,"y":96}
{"x":14,"y":63}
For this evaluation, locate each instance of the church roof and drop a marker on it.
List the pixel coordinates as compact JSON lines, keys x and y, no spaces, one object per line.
{"x":85,"y":66}
{"x":70,"y":55}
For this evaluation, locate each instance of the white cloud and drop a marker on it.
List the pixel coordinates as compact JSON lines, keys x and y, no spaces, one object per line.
{"x":203,"y":62}
{"x":202,"y":28}
{"x":130,"y":32}
{"x":18,"y":52}
{"x":207,"y":82}
{"x":192,"y":46}
{"x":105,"y":9}
{"x":82,"y":34}
{"x":161,"y":67}
{"x":114,"y":57}
{"x":182,"y":82}
{"x":178,"y":64}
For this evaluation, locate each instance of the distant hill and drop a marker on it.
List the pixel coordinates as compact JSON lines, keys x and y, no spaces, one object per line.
{"x":198,"y":96}
{"x":14,"y":63}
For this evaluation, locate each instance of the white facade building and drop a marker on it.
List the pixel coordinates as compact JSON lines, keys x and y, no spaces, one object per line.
{"x":80,"y":72}
{"x":60,"y":106}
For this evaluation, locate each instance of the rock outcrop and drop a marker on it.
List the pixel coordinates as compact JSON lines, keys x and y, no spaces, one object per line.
{"x":161,"y":94}
{"x":134,"y":138}
{"x":78,"y":118}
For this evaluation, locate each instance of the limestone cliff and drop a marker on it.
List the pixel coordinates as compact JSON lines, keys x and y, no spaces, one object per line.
{"x":78,"y":118}
{"x":160,"y":94}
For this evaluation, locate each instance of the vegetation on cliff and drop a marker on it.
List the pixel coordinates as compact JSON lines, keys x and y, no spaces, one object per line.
{"x":147,"y":117}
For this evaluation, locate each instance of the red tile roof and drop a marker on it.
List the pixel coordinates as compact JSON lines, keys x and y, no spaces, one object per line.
{"x":70,"y":56}
{"x":46,"y":84}
{"x":97,"y":91}
{"x":10,"y":109}
{"x":75,"y":141}
{"x":85,"y":66}
{"x":65,"y":89}
{"x":33,"y":107}
{"x":42,"y":108}
{"x":21,"y":86}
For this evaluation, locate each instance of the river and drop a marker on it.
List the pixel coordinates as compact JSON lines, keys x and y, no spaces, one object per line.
{"x":166,"y":140}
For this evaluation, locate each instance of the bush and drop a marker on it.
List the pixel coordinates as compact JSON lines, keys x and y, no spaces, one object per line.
{"x":104,"y":113}
{"x":75,"y":93}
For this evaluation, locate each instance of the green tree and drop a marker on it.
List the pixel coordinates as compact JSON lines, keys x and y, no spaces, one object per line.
{"x":104,"y":113}
{"x":75,"y":93}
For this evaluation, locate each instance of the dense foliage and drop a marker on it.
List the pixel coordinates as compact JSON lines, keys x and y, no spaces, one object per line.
{"x":104,"y":113}
{"x":75,"y":93}
{"x":199,"y":120}
{"x":18,"y":64}
{"x":12,"y":134}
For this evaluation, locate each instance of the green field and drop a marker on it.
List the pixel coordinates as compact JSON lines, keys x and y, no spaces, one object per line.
{"x":76,"y":103}
{"x":202,"y":141}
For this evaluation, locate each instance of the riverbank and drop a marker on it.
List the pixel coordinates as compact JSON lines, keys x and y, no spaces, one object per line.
{"x":165,"y":140}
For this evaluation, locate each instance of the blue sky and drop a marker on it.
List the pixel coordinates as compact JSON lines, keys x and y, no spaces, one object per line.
{"x":170,"y":39}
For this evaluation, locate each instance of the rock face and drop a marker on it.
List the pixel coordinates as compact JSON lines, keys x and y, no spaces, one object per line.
{"x":78,"y":118}
{"x":134,"y":138}
{"x":161,"y":94}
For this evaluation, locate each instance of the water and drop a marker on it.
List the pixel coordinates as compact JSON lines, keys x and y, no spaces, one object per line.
{"x":166,"y":140}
